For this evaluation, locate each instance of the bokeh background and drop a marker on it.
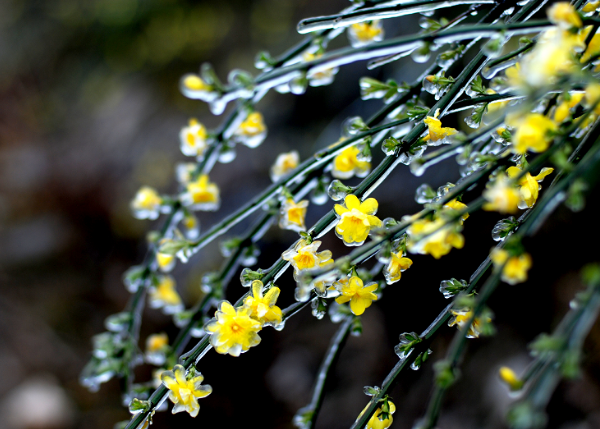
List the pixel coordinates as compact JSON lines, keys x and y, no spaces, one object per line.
{"x":90,"y":111}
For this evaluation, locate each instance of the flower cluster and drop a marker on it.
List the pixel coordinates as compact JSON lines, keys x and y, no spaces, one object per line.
{"x":514,"y":268}
{"x":235,"y":330}
{"x":437,"y":235}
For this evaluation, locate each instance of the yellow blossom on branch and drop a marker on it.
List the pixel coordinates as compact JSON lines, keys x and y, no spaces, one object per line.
{"x":305,"y":257}
{"x":164,"y":295}
{"x":185,"y":390}
{"x":165,"y":261}
{"x":393,"y":270}
{"x":360,"y":296}
{"x":156,"y":347}
{"x":201,"y":194}
{"x":364,"y":33}
{"x":458,"y":206}
{"x":252,"y":131}
{"x":346,"y":164}
{"x":146,"y":204}
{"x":193,"y":139}
{"x":375,"y":422}
{"x":263,"y":306}
{"x":533,"y":132}
{"x":462,"y":317}
{"x":434,"y":237}
{"x":511,"y":379}
{"x":284,"y":164}
{"x":529,"y":186}
{"x":356,"y":219}
{"x":320,"y":77}
{"x":564,"y":15}
{"x":436,"y":133}
{"x":501,"y":196}
{"x":291,"y":215}
{"x":515,"y":267}
{"x":563,"y":110}
{"x":233,"y":331}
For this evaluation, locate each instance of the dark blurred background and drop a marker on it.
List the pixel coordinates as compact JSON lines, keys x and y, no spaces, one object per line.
{"x":90,"y":111}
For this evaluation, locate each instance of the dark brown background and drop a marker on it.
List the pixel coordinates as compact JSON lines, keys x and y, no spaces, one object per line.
{"x":90,"y":111}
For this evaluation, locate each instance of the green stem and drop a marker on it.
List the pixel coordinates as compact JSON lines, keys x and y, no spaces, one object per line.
{"x":380,"y":12}
{"x":333,"y":352}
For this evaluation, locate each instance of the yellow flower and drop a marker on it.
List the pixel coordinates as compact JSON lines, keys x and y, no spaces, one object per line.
{"x":592,"y":96}
{"x":201,"y":194}
{"x":564,"y":15}
{"x":346,"y":164}
{"x":165,"y":296}
{"x":562,"y":111}
{"x":146,"y":203}
{"x":360,"y":296}
{"x":515,"y":267}
{"x":263,"y":306}
{"x":319,"y":77}
{"x":592,"y":49}
{"x":501,"y":196}
{"x":374,"y":422}
{"x":292,"y":215}
{"x":156,"y":347}
{"x":513,"y":74}
{"x":305,"y":257}
{"x":511,"y":379}
{"x":252,"y":131}
{"x":364,"y":33}
{"x":184,"y":391}
{"x":165,"y":261}
{"x":392,"y":271}
{"x":458,"y":206}
{"x":233,"y":331}
{"x":356,"y":219}
{"x":195,"y":82}
{"x":436,"y":133}
{"x":434,"y":237}
{"x":191,"y":225}
{"x":590,"y":7}
{"x":285,"y":163}
{"x":533,"y":132}
{"x":193,"y":139}
{"x":193,"y":86}
{"x":462,"y":317}
{"x":529,"y":186}
{"x":495,"y":105}
{"x":156,"y":342}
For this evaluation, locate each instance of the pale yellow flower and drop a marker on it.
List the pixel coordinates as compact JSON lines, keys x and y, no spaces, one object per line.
{"x":201,"y":194}
{"x":360,"y":296}
{"x":364,"y":33}
{"x":356,"y":219}
{"x":346,"y":164}
{"x":252,"y":131}
{"x":284,"y":164}
{"x":233,"y":331}
{"x":164,"y":295}
{"x":193,"y":139}
{"x":434,"y":237}
{"x":393,"y":270}
{"x":462,"y":317}
{"x":529,"y":186}
{"x":292,"y":215}
{"x":436,"y":133}
{"x":184,"y":391}
{"x":515,"y":267}
{"x":146,"y":203}
{"x":501,"y":196}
